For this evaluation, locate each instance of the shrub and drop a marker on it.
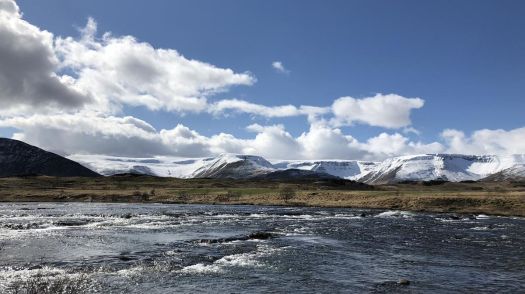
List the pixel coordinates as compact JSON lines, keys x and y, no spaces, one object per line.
{"x":142,"y":195}
{"x":233,"y":195}
{"x":286,"y":193}
{"x":183,"y":196}
{"x":222,"y":198}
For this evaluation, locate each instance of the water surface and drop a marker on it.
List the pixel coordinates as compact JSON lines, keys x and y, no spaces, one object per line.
{"x":154,"y":248}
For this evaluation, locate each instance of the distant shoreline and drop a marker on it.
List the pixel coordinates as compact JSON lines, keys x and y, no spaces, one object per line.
{"x":498,"y":199}
{"x":444,"y":210}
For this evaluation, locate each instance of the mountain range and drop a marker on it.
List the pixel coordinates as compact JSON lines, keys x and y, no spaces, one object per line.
{"x":424,"y":167}
{"x":18,"y":158}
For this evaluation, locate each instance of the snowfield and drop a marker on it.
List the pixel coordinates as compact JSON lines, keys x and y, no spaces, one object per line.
{"x":424,"y":167}
{"x":448,"y":167}
{"x":347,"y":169}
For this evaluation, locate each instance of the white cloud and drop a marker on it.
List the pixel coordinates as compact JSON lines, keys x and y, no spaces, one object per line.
{"x":272,"y":142}
{"x":389,"y":111}
{"x":243,"y":106}
{"x":9,"y":7}
{"x":66,"y":133}
{"x":28,"y":68}
{"x":485,"y":141}
{"x":252,"y":108}
{"x":323,"y":142}
{"x":183,"y":141}
{"x":411,"y":130}
{"x":103,"y":73}
{"x":387,"y":145}
{"x":129,"y":136}
{"x":279,"y":67}
{"x":122,"y":70}
{"x":77,"y":113}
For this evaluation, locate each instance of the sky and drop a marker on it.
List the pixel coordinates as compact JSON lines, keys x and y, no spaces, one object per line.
{"x":282,"y":79}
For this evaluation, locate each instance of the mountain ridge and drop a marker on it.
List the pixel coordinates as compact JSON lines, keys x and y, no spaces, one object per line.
{"x":18,"y":158}
{"x":420,"y":167}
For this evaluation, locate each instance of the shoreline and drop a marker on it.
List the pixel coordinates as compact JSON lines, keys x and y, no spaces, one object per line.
{"x":437,"y":210}
{"x":496,"y":199}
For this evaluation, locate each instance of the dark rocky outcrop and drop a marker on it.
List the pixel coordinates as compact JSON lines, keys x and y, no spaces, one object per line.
{"x":252,"y":236}
{"x":20,"y":159}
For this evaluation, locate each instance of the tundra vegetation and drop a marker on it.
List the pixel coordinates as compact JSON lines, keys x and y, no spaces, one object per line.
{"x":497,"y":198}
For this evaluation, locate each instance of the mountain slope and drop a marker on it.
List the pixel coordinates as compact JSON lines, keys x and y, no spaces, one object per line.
{"x":296,"y":174}
{"x":425,"y":167}
{"x":347,"y":169}
{"x":224,"y":165}
{"x":234,"y":166}
{"x":447,"y":167}
{"x":18,"y":159}
{"x":159,"y":166}
{"x":515,"y":173}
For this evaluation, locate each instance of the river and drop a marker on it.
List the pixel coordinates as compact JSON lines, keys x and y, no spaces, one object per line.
{"x":158,"y":248}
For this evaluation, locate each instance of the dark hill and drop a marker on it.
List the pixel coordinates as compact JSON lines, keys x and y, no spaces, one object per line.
{"x":20,"y":159}
{"x":295,"y":174}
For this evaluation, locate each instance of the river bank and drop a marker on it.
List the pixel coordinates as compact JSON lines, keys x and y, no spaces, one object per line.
{"x":506,"y":199}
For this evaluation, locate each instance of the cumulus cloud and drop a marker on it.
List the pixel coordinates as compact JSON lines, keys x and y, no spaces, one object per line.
{"x":66,"y":134}
{"x":82,"y":111}
{"x":103,"y":74}
{"x":129,"y":136}
{"x":28,"y":68}
{"x":10,"y":7}
{"x":183,"y":141}
{"x":273,"y":142}
{"x":387,"y":145}
{"x":123,"y":70}
{"x":279,"y":67}
{"x":388,"y":111}
{"x":485,"y":141}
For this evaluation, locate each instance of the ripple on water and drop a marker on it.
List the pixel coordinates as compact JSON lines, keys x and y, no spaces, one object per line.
{"x":159,"y":247}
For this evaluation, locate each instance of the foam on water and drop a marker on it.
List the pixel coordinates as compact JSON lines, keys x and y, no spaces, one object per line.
{"x":9,"y":276}
{"x":201,"y":268}
{"x":249,"y":259}
{"x":396,"y":213}
{"x":480,"y":228}
{"x":11,"y":273}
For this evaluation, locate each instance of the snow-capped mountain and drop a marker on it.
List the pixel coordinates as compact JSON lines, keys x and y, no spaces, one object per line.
{"x":347,"y":169}
{"x":515,"y":173}
{"x":222,"y":166}
{"x":19,"y":159}
{"x":425,"y":167}
{"x":447,"y":167}
{"x":233,"y":166}
{"x":157,"y":166}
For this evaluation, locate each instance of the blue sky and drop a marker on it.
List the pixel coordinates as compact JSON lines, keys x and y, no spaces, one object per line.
{"x":463,"y":58}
